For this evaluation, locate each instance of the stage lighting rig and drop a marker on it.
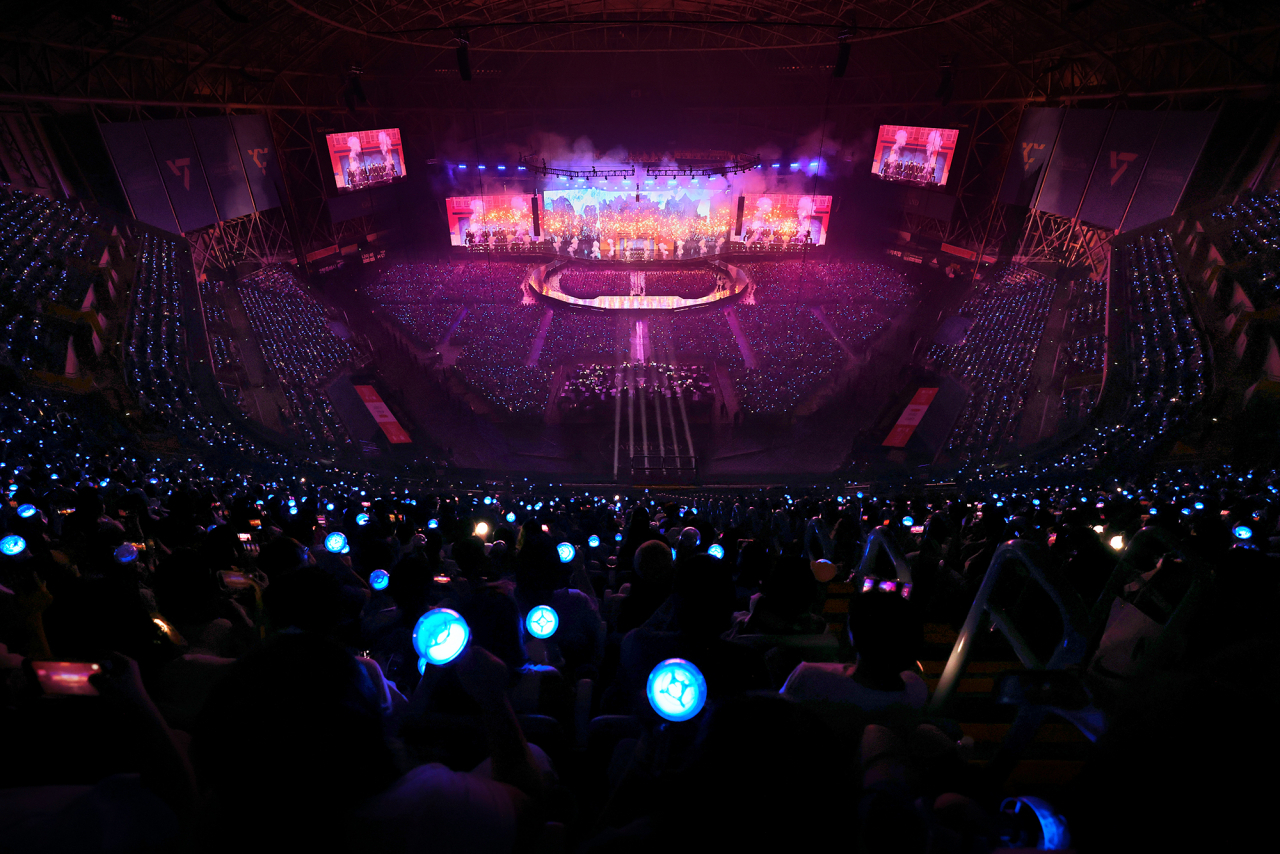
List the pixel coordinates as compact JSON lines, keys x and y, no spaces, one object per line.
{"x":541,"y":168}
{"x":739,"y":165}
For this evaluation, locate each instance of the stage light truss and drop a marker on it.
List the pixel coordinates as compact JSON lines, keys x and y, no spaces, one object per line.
{"x":541,"y":168}
{"x":704,"y":172}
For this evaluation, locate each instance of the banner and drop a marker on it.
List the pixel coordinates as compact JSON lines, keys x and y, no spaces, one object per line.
{"x":396,"y":434}
{"x":180,"y":168}
{"x":1072,"y":161}
{"x":258,"y":154}
{"x":1173,"y":158}
{"x":136,"y":167}
{"x":223,"y":169}
{"x":1120,"y":165}
{"x":910,"y":418}
{"x":1031,"y":151}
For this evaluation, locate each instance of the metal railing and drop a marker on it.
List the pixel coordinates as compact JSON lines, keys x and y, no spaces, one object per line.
{"x":1069,"y":649}
{"x":880,"y":541}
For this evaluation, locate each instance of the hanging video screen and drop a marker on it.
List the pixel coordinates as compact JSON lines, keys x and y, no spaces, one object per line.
{"x":365,"y":158}
{"x":914,"y":155}
{"x":681,"y":222}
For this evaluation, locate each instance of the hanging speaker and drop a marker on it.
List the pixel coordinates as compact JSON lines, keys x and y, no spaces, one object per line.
{"x":535,"y":205}
{"x":742,"y":207}
{"x":842,"y":59}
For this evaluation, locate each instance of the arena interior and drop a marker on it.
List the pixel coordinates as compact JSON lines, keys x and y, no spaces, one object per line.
{"x":586,"y":426}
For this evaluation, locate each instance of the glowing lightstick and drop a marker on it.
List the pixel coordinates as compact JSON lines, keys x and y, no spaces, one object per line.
{"x":593,"y":541}
{"x":677,"y":690}
{"x":379,"y":579}
{"x":336,"y":543}
{"x":26,"y":511}
{"x":126,"y":552}
{"x":542,"y":622}
{"x":13,"y":545}
{"x":440,"y":635}
{"x":716,"y":551}
{"x":566,"y":552}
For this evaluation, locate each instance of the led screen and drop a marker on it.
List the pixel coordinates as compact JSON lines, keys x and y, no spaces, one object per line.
{"x":913,"y":155}
{"x":365,"y":158}
{"x":681,"y":222}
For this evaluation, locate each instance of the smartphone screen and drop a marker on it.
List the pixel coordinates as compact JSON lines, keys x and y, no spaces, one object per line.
{"x":245,"y":538}
{"x":255,"y":523}
{"x":67,"y":678}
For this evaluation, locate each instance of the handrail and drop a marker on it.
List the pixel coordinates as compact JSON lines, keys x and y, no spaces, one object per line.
{"x":1069,"y":650}
{"x":880,"y":540}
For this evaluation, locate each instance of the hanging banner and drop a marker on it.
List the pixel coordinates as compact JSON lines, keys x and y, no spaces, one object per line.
{"x":223,"y":168}
{"x":258,"y":154}
{"x":136,"y":167}
{"x":1173,"y":159}
{"x":1031,"y":151}
{"x":396,"y":434}
{"x":1072,"y":161}
{"x":1120,"y":165}
{"x":180,"y":168}
{"x":910,"y":418}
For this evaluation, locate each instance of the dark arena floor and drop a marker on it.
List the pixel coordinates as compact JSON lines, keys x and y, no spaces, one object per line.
{"x":592,"y":428}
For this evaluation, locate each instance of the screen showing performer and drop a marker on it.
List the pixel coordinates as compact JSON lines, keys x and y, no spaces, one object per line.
{"x":914,"y":155}
{"x":366,"y":158}
{"x":676,"y":223}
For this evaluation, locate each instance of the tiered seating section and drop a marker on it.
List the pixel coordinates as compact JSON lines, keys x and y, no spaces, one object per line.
{"x":426,"y":297}
{"x":995,"y":359}
{"x":1254,"y":241}
{"x":688,"y":284}
{"x":299,"y":347}
{"x":48,"y":249}
{"x":841,"y":282}
{"x":794,"y":355}
{"x":585,"y":283}
{"x":496,"y":343}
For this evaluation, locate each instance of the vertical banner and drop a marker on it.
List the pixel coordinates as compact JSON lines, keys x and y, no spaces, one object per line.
{"x":1031,"y":151}
{"x":396,"y":434}
{"x":258,"y":154}
{"x":222,"y":167}
{"x":910,"y":418}
{"x":136,"y":166}
{"x":1173,"y":159}
{"x":1120,"y":165}
{"x":1072,"y":162}
{"x":180,"y":168}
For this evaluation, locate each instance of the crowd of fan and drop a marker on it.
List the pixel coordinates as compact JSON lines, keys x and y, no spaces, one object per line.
{"x":580,"y":335}
{"x":995,"y":359}
{"x":1085,"y":355}
{"x":794,"y":355}
{"x":425,"y":297}
{"x":496,"y":342}
{"x":1254,"y":241}
{"x":293,"y":331}
{"x":257,"y":684}
{"x":692,"y":334}
{"x":856,"y":325}
{"x":687,"y":284}
{"x":585,"y":283}
{"x":49,"y":250}
{"x":829,"y":281}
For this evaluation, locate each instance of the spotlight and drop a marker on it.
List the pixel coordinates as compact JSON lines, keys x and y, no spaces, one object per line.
{"x":464,"y":59}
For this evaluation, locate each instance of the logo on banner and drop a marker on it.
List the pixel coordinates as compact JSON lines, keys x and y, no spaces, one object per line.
{"x":1120,"y":161}
{"x":184,"y":164}
{"x":1030,"y":153}
{"x":261,"y":164}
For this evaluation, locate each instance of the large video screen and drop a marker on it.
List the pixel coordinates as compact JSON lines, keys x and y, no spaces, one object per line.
{"x":913,"y":155}
{"x":365,"y":158}
{"x":682,"y":222}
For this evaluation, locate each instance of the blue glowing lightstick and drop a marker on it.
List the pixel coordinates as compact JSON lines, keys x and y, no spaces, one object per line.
{"x":1242,"y":532}
{"x":26,"y":511}
{"x":336,"y":543}
{"x":433,"y":523}
{"x":566,"y":552}
{"x":422,"y":665}
{"x":907,"y":521}
{"x":440,"y":635}
{"x":542,"y":622}
{"x":12,"y":545}
{"x":716,"y":551}
{"x":617,"y":538}
{"x":511,"y":517}
{"x":126,"y":553}
{"x":593,"y":541}
{"x":379,"y":579}
{"x":362,"y":519}
{"x":677,"y":690}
